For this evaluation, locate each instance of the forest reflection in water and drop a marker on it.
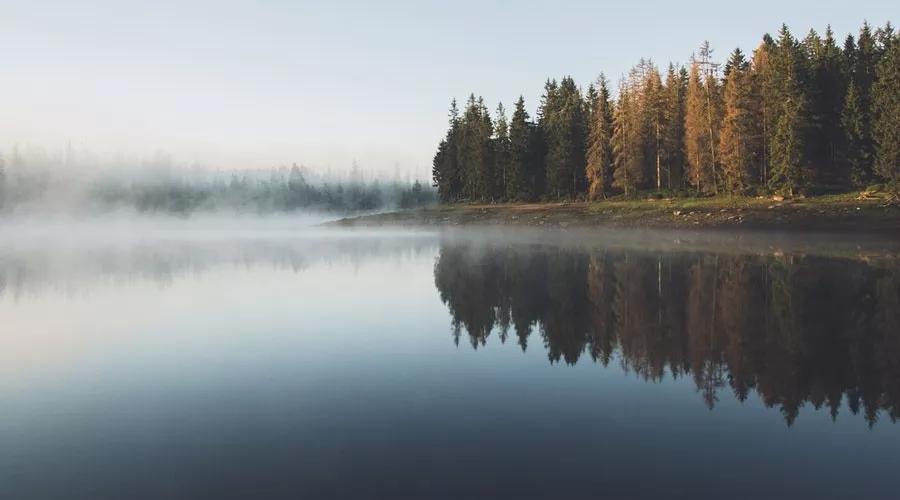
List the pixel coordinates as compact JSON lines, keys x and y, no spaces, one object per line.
{"x":795,"y":328}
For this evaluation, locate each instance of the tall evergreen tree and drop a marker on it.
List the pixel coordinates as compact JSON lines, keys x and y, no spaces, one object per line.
{"x":628,"y":140}
{"x":672,"y":144}
{"x":788,"y":142}
{"x":520,"y":138}
{"x":565,"y":137}
{"x":652,"y":106}
{"x":502,"y":154}
{"x":766,"y":103}
{"x":475,"y":150}
{"x":737,"y":128}
{"x":599,"y":152}
{"x":852,"y":121}
{"x":445,"y":172}
{"x":696,"y":134}
{"x":886,"y":114}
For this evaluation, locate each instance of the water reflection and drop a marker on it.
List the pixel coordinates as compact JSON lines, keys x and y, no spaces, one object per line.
{"x":796,"y":329}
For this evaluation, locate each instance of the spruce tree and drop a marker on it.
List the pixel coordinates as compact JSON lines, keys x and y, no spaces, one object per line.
{"x":445,"y":170}
{"x":886,"y":114}
{"x":628,"y":140}
{"x":565,"y":136}
{"x":502,"y":155}
{"x":787,"y":143}
{"x":737,"y":128}
{"x":696,"y":135}
{"x":653,"y":119}
{"x":852,"y":122}
{"x":517,"y":185}
{"x":599,"y":152}
{"x":673,"y":123}
{"x":766,"y":102}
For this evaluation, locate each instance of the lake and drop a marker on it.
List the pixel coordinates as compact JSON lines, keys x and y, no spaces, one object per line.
{"x":273,"y":362}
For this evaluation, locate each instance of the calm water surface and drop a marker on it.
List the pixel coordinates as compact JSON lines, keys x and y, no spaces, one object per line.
{"x":469,"y":365}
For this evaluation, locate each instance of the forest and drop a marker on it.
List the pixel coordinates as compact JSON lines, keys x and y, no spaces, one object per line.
{"x":795,"y":329}
{"x":796,"y":117}
{"x":32,"y":180}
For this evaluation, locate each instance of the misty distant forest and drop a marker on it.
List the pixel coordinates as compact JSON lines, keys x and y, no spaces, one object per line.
{"x":32,"y":179}
{"x":799,"y":116}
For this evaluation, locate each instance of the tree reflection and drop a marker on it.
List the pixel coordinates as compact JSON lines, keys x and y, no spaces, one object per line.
{"x":795,"y":329}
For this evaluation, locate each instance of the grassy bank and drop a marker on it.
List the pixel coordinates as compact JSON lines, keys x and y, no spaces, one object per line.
{"x":845,"y":213}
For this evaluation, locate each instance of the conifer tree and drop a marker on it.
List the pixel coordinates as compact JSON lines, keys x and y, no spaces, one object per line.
{"x":475,"y":150}
{"x":517,"y":186}
{"x":852,"y":122}
{"x":737,"y":128}
{"x":766,"y":102}
{"x":653,"y":111}
{"x":565,"y":137}
{"x":787,"y":143}
{"x":696,"y":135}
{"x":445,"y":170}
{"x":627,"y":141}
{"x":673,"y":123}
{"x":502,"y":154}
{"x":863,"y":75}
{"x":886,"y":114}
{"x":599,"y":152}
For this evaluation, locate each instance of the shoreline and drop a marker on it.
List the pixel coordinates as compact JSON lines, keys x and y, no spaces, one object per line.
{"x":830,"y":214}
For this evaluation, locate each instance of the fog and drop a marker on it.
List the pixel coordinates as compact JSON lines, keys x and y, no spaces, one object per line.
{"x":36,"y":182}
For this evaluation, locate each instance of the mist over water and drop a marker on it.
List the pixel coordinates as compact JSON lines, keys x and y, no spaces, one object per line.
{"x":224,"y":358}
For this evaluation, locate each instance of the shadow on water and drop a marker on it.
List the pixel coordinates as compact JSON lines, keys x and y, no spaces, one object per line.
{"x":797,"y":329}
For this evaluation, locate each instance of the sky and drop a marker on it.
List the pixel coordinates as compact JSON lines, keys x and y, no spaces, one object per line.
{"x":255,"y":84}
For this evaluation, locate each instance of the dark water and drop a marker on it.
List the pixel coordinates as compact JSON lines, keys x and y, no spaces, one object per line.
{"x":416,"y":365}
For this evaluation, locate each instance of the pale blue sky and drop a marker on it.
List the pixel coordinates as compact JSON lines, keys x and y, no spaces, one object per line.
{"x":260,"y":83}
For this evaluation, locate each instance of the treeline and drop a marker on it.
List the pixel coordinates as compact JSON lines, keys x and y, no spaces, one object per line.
{"x":796,"y":330}
{"x":44,"y":183}
{"x":275,"y":191}
{"x":796,"y":117}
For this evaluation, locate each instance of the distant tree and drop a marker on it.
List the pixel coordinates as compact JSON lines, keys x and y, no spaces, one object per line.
{"x":599,"y":151}
{"x":886,"y":114}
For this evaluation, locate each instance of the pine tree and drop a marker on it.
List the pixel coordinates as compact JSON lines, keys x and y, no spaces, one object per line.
{"x":565,"y":137}
{"x":599,"y":152}
{"x":766,"y":102}
{"x":652,"y":107}
{"x":696,"y":135}
{"x":475,"y":150}
{"x":673,"y":123}
{"x":787,"y":143}
{"x":627,"y":141}
{"x":520,"y":138}
{"x":502,"y":155}
{"x":737,"y":129}
{"x":832,"y":80}
{"x":886,"y":114}
{"x":445,"y":170}
{"x":852,"y":122}
{"x":863,"y":75}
